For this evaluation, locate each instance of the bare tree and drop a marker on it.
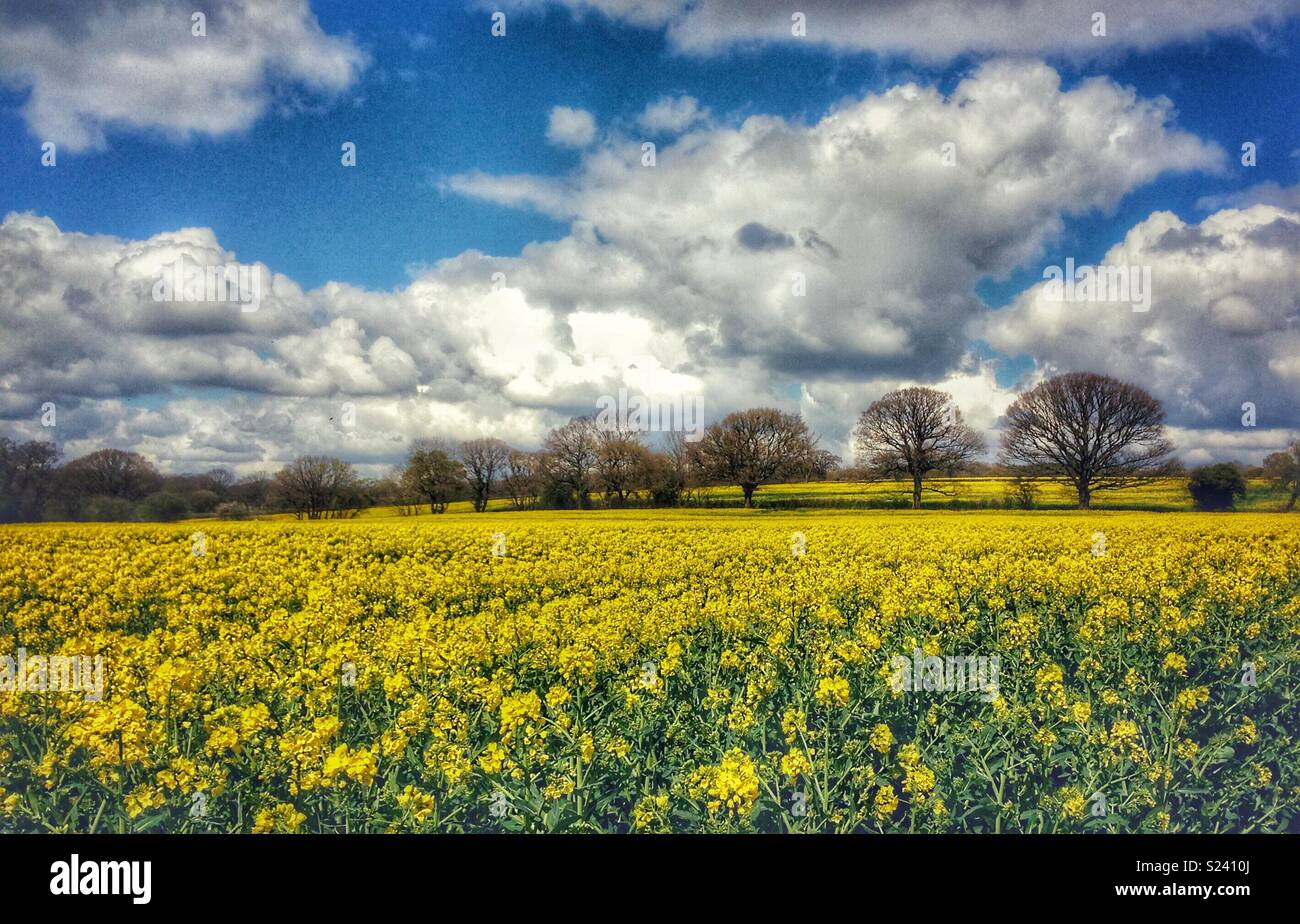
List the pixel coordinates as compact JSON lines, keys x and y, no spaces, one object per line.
{"x":1090,"y":431}
{"x":1283,"y":470}
{"x":27,"y":478}
{"x":914,"y":432}
{"x":521,"y":478}
{"x":754,"y":447}
{"x":569,"y":459}
{"x":317,"y":486}
{"x":672,"y":475}
{"x":111,"y":473}
{"x":484,"y":460}
{"x":621,"y":460}
{"x":431,"y":473}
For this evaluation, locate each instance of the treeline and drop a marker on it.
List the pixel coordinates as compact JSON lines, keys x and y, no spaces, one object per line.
{"x":1089,"y":432}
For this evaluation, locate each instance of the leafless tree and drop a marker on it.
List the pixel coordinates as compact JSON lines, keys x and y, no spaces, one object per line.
{"x":27,"y":478}
{"x":1283,"y":470}
{"x":316,"y":487}
{"x":521,"y":478}
{"x":432,"y":474}
{"x":754,"y":447}
{"x":621,"y":460}
{"x":1090,"y":431}
{"x":569,"y":459}
{"x":484,"y":460}
{"x":685,"y":474}
{"x":111,"y":473}
{"x":914,"y":432}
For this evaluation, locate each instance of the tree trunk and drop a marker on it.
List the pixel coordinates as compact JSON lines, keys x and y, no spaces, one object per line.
{"x":1085,"y":497}
{"x":1295,"y":494}
{"x":749,"y":493}
{"x":916,"y":492}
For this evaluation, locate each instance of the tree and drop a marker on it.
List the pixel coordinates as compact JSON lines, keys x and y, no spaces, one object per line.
{"x":664,"y":481}
{"x":620,"y":464}
{"x":112,"y":473}
{"x":434,"y":475}
{"x":27,"y":478}
{"x":521,"y":478}
{"x":754,"y":447}
{"x":1023,"y":491}
{"x":163,"y":507}
{"x":316,"y":487}
{"x":251,"y":491}
{"x":1216,"y":487}
{"x":914,"y":432}
{"x":484,"y":460}
{"x":1090,"y":431}
{"x":569,"y":460}
{"x":1283,"y":470}
{"x":822,"y":464}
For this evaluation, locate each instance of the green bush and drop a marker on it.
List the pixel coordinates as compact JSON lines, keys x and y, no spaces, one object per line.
{"x":163,"y":507}
{"x":1216,"y":487}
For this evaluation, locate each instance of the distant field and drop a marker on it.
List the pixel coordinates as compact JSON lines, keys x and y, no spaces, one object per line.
{"x":1165,"y":495}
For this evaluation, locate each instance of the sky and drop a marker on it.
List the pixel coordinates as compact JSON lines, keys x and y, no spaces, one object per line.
{"x":844,"y":198}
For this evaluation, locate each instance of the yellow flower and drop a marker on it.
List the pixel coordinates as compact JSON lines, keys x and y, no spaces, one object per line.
{"x":1246,"y":732}
{"x":793,"y":724}
{"x":492,"y":758}
{"x":419,"y":804}
{"x":795,"y":764}
{"x":833,"y":691}
{"x":732,"y":785}
{"x":886,"y":802}
{"x":1072,"y":802}
{"x":283,"y":818}
{"x":1188,"y":700}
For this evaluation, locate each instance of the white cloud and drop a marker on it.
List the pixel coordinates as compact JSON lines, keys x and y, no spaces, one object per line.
{"x":672,"y":115}
{"x":656,"y":287}
{"x":571,"y":128}
{"x":1268,"y":193}
{"x":1223,"y":327}
{"x":99,"y":65}
{"x":891,"y":242}
{"x":935,"y":29}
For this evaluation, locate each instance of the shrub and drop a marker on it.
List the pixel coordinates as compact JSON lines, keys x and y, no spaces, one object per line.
{"x":101,"y":509}
{"x":1216,"y":487}
{"x":233,"y":510}
{"x":163,"y":506}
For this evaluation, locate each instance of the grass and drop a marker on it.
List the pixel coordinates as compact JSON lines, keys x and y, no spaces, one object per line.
{"x":1163,"y":496}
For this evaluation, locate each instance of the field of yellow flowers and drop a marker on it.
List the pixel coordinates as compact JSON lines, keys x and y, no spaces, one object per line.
{"x":655,"y":671}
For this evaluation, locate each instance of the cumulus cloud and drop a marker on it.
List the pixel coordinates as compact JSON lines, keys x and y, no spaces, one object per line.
{"x":935,"y":29}
{"x":769,"y":262}
{"x":92,"y":66}
{"x":671,"y":115}
{"x":1269,"y":193}
{"x":1223,"y":326}
{"x":846,"y":246}
{"x":571,"y":128}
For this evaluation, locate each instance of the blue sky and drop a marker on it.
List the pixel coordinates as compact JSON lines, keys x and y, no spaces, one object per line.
{"x":429,"y":95}
{"x":463,"y":100}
